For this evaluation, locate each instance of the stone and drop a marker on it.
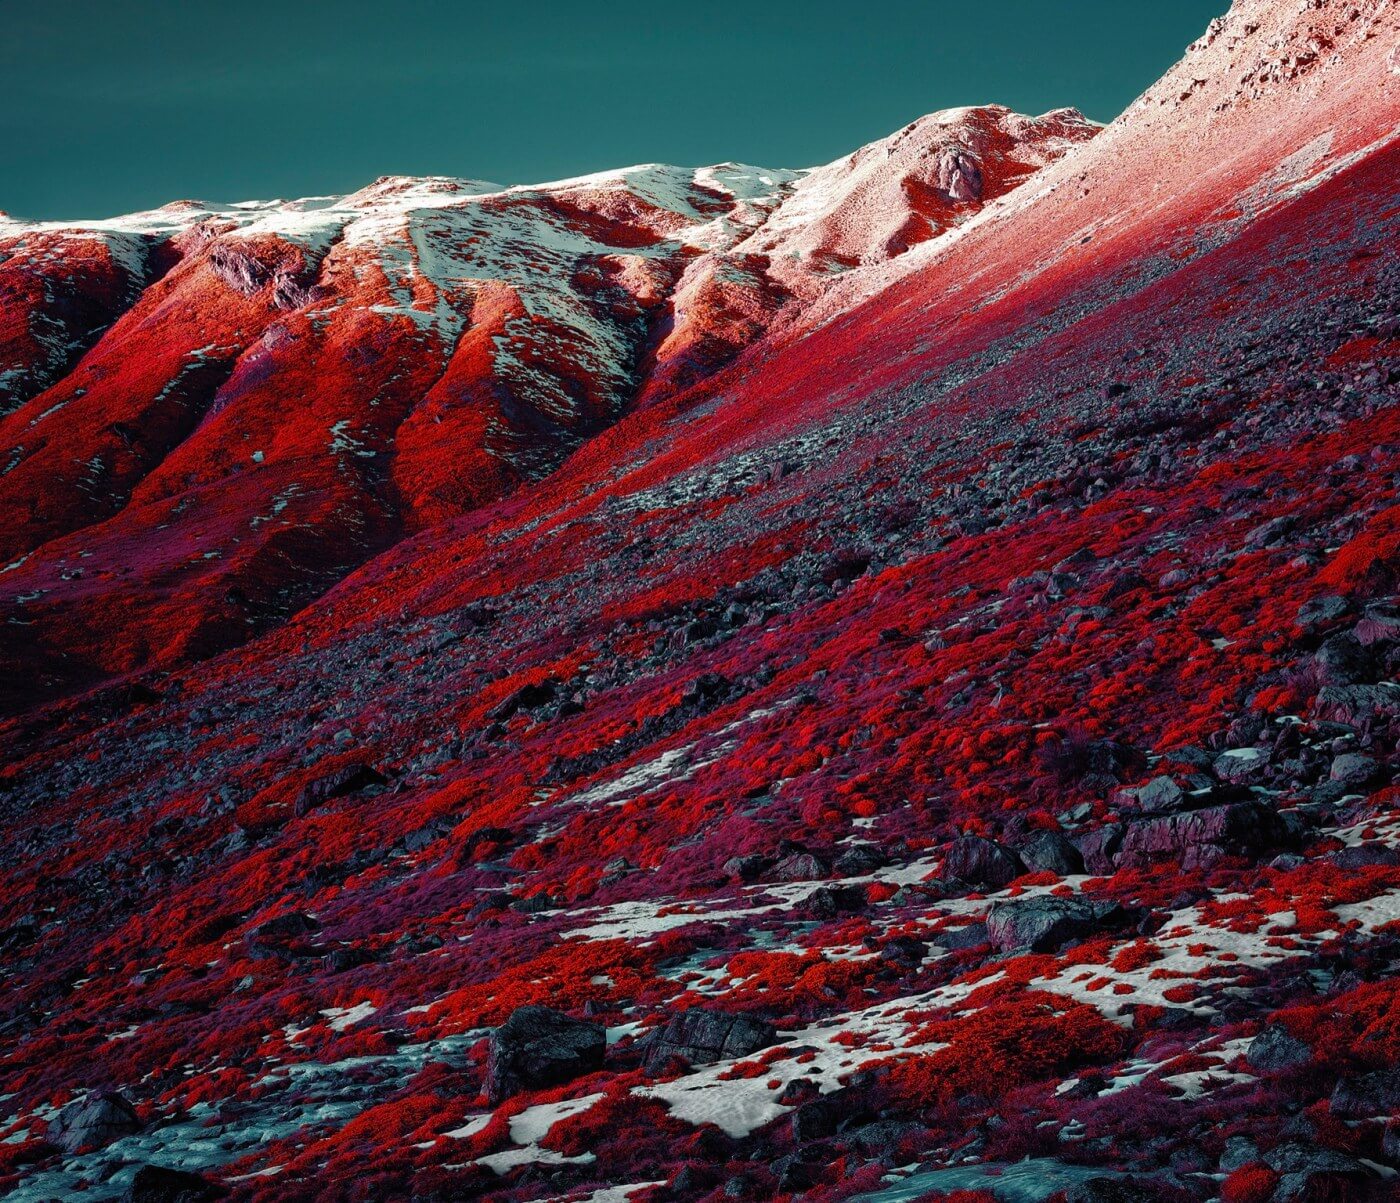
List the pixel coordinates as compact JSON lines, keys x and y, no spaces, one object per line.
{"x":339,"y":783}
{"x":1353,"y":705}
{"x":1047,"y":923}
{"x":93,"y":1122}
{"x":745,"y":868}
{"x":537,"y":1047}
{"x":982,"y":862}
{"x":958,"y":175}
{"x":1275,"y":1049}
{"x":1364,"y":1095}
{"x":859,"y":861}
{"x":1311,"y":1172}
{"x":800,"y":866}
{"x":1160,"y":794}
{"x":1099,"y":847}
{"x":702,"y":1036}
{"x":1341,"y":660}
{"x":1051,"y":852}
{"x":156,"y":1184}
{"x":1354,"y":770}
{"x":1198,"y":837}
{"x":1241,"y":766}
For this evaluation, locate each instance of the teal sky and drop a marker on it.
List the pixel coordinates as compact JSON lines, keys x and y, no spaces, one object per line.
{"x":124,"y":104}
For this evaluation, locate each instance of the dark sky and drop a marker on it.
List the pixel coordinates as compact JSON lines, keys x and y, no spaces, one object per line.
{"x":113,"y":105}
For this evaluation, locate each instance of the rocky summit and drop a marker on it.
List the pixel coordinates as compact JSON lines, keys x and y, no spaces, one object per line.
{"x":877,"y":682}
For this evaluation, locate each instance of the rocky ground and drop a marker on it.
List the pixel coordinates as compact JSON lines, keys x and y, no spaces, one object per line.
{"x":947,"y":751}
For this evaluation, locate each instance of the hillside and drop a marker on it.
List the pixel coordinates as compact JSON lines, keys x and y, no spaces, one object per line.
{"x":899,"y":658}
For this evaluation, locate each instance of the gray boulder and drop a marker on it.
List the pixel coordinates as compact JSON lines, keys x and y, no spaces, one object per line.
{"x":702,"y":1036}
{"x":1047,"y":923}
{"x":539,"y":1047}
{"x":982,"y":862}
{"x":1051,"y":852}
{"x":93,"y":1122}
{"x":1366,"y":1095}
{"x":1275,"y":1049}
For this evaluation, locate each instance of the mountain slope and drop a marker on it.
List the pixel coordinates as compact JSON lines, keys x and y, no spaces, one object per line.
{"x":983,"y":683}
{"x":291,"y":387}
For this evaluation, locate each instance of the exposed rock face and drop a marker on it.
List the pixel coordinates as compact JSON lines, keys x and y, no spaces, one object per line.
{"x":539,"y":1047}
{"x":94,"y":1121}
{"x":701,"y":1036}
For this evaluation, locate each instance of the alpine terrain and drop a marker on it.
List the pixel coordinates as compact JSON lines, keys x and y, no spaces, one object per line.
{"x":877,"y":682}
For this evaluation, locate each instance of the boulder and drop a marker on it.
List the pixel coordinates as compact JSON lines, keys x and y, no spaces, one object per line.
{"x":1051,"y":852}
{"x":1341,"y":660}
{"x":1353,"y":705}
{"x":338,"y":783}
{"x":1354,"y":770}
{"x":860,"y":860}
{"x":1311,"y":1172}
{"x":1365,"y":1095}
{"x":745,"y":868}
{"x":1099,"y":847}
{"x":1161,"y":794}
{"x":702,"y":1036}
{"x":982,"y":862}
{"x":93,"y":1122}
{"x":800,"y":866}
{"x":1047,"y":923}
{"x":156,"y":1184}
{"x":537,"y":1047}
{"x":1275,"y":1049}
{"x":1198,"y":837}
{"x":1241,"y":766}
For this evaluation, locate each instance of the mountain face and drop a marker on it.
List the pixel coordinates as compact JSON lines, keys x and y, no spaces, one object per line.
{"x":281,"y":390}
{"x":875,"y":682}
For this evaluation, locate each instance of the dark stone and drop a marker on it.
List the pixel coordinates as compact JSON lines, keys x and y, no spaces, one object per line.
{"x":1051,"y":852}
{"x":282,"y":934}
{"x":816,"y":1120}
{"x":1106,"y":1189}
{"x":156,"y":1184}
{"x":1099,"y":847}
{"x":1047,"y":923}
{"x":93,"y":1122}
{"x":884,"y":1136}
{"x":969,"y":935}
{"x":1159,"y":795}
{"x":982,"y":862}
{"x":800,"y":866}
{"x":860,"y":861}
{"x":1198,"y":837}
{"x":905,"y":951}
{"x":527,"y":697}
{"x":539,"y":1047}
{"x":1353,"y":705}
{"x":1354,"y":770}
{"x":1322,"y":610}
{"x":339,"y":783}
{"x":701,"y":1036}
{"x":745,"y":868}
{"x":826,"y":902}
{"x":1365,"y":856}
{"x":1365,"y":1095}
{"x":1341,"y":660}
{"x":1312,"y":1172}
{"x":1274,"y":1049}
